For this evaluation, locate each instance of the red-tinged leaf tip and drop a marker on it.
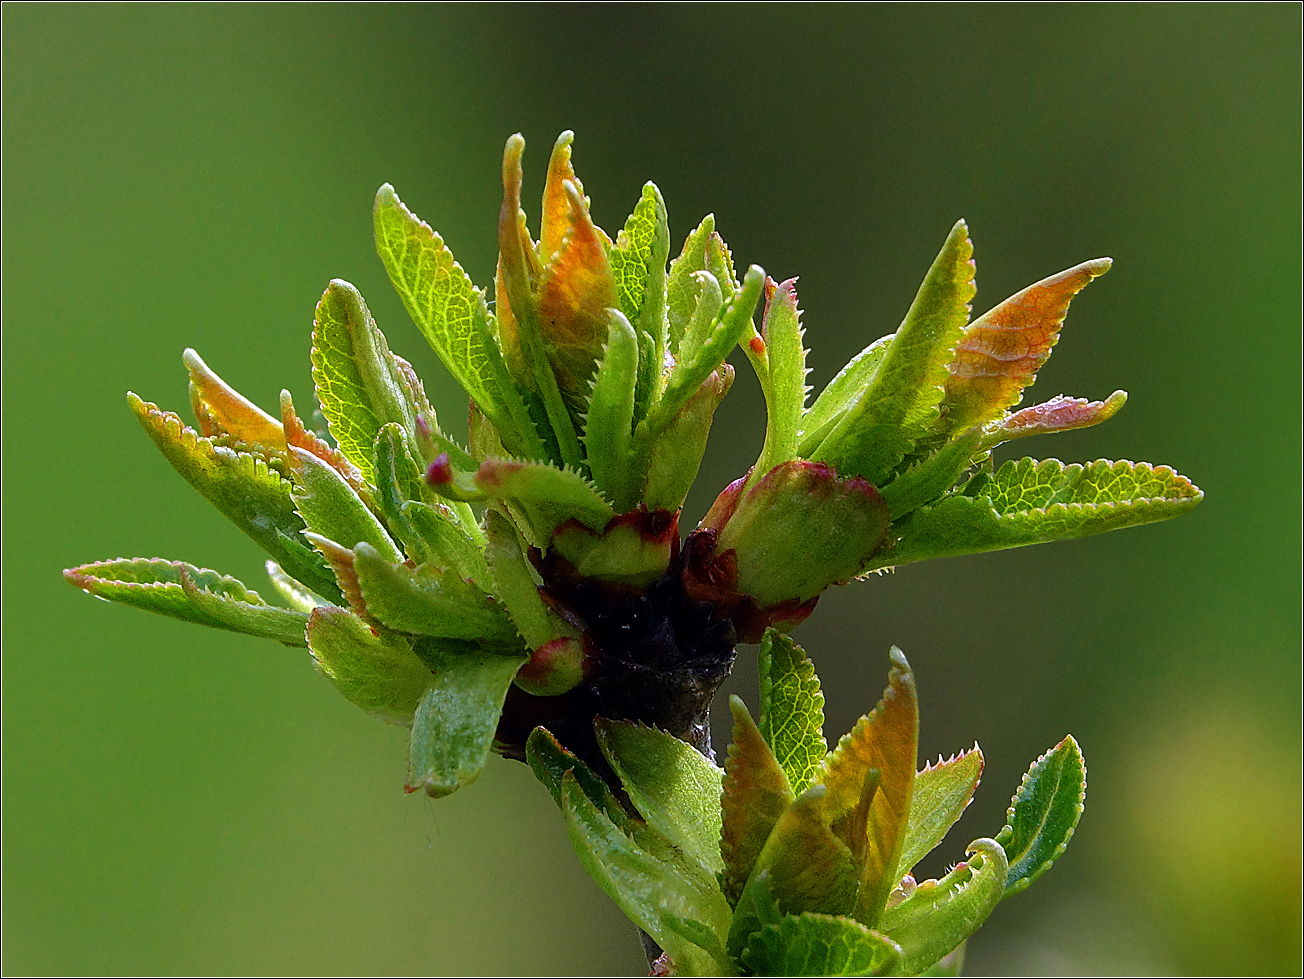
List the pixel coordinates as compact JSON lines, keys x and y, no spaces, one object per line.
{"x":725,"y":504}
{"x":440,"y":472}
{"x":555,"y":668}
{"x":786,"y":291}
{"x":1060,"y":414}
{"x":576,"y":291}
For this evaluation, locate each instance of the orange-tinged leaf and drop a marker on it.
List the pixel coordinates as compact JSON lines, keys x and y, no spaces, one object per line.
{"x":887,"y":740}
{"x":803,"y":865}
{"x":1001,"y":351}
{"x":299,"y":436}
{"x":577,"y":289}
{"x":556,"y":205}
{"x":756,"y":794}
{"x":220,"y":406}
{"x":341,"y":561}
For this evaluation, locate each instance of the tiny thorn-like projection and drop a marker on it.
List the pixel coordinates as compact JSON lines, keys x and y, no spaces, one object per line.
{"x":533,"y":590}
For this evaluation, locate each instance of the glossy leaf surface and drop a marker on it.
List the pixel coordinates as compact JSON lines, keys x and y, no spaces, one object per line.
{"x":1043,"y":814}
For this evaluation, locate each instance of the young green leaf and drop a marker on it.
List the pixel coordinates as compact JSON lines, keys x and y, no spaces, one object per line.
{"x":900,"y":404}
{"x":455,"y":721}
{"x":184,"y":591}
{"x":885,"y":740}
{"x":547,"y":495}
{"x":1030,"y":502}
{"x":451,"y":314}
{"x":550,"y":762}
{"x":356,"y":376}
{"x":820,"y":945}
{"x":516,"y":583}
{"x":933,"y":475}
{"x":671,"y":784}
{"x":638,"y":263}
{"x":1002,"y":350}
{"x":1043,"y":814}
{"x":377,"y":671}
{"x":609,"y":428}
{"x":792,"y":709}
{"x":781,"y":365}
{"x":647,"y":886}
{"x":841,"y":394}
{"x":677,"y":452}
{"x":243,"y":488}
{"x":691,"y":370}
{"x":756,"y":793}
{"x":940,"y":914}
{"x":427,"y":602}
{"x":941,"y":794}
{"x":446,"y":544}
{"x":682,"y":285}
{"x":333,"y":510}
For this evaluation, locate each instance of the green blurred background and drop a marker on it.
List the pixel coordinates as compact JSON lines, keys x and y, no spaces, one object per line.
{"x":184,"y":801}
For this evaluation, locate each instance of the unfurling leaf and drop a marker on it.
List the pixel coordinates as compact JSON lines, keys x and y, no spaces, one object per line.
{"x":1029,"y":502}
{"x":803,"y":866}
{"x":940,"y":914}
{"x":1043,"y":814}
{"x":820,"y":945}
{"x":792,"y":709}
{"x":941,"y":794}
{"x":682,"y":284}
{"x":184,"y":591}
{"x":885,"y":740}
{"x":1059,"y":414}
